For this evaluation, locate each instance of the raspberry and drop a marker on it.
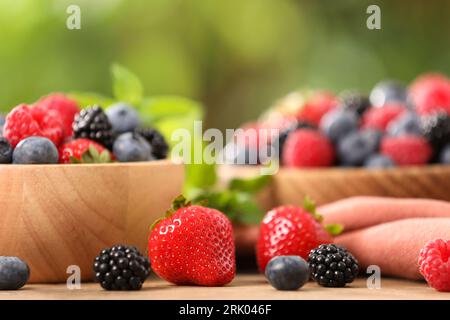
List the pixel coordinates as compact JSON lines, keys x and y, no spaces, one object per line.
{"x":62,"y":107}
{"x":316,"y":107}
{"x":380,"y":118}
{"x":434,"y":264}
{"x":431,"y":93}
{"x":25,"y":121}
{"x":407,"y":150}
{"x":308,"y":148}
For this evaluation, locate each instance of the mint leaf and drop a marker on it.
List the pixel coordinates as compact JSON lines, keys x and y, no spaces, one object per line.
{"x":198,"y":177}
{"x":163,"y":107}
{"x":245,"y":209}
{"x":239,"y":207}
{"x":126,"y":85}
{"x":251,"y":185}
{"x":86,"y":99}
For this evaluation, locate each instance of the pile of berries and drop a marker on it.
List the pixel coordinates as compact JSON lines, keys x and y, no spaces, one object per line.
{"x":55,"y":130}
{"x":394,"y":126}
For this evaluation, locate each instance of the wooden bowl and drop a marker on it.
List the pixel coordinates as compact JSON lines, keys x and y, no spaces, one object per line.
{"x":291,"y":185}
{"x":328,"y":185}
{"x":53,"y":216}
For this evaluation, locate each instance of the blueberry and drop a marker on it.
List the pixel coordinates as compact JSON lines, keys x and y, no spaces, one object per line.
{"x":6,"y":151}
{"x":339,"y":123}
{"x":131,"y":147}
{"x":35,"y":150}
{"x":377,"y":161}
{"x":388,"y":91}
{"x":122,"y":117}
{"x":355,"y":148}
{"x":14,"y":273}
{"x":239,"y":153}
{"x":287,"y":272}
{"x":407,"y":124}
{"x":445,"y":155}
{"x":373,"y":138}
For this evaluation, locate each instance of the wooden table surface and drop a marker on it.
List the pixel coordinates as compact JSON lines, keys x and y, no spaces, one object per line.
{"x":243,"y":287}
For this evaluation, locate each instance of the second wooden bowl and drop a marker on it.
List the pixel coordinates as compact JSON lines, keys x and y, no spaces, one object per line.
{"x":291,"y":185}
{"x":53,"y":216}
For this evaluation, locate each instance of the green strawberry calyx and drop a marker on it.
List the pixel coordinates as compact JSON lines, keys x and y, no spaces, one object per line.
{"x":310,"y":206}
{"x":92,"y":155}
{"x":177,"y":203}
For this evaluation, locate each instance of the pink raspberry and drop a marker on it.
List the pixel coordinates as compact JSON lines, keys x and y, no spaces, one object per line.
{"x":407,"y":150}
{"x":24,"y":121}
{"x":430,"y":93}
{"x":61,"y":107}
{"x":380,"y":118}
{"x":434,"y":264}
{"x":316,"y":107}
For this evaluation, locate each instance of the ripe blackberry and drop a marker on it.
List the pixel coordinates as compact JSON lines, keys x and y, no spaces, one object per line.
{"x":355,"y":102}
{"x":332,"y":265}
{"x":121,"y":268}
{"x":92,"y":123}
{"x":436,"y":129}
{"x":156,"y":140}
{"x":286,"y":132}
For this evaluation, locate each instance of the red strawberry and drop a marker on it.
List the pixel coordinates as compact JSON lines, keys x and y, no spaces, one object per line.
{"x":307,"y":148}
{"x":431,"y":93}
{"x":61,"y":106}
{"x":290,"y":230}
{"x":193,"y":245}
{"x":316,"y":107}
{"x":24,"y":121}
{"x":407,"y":150}
{"x":83,"y":151}
{"x":434,"y":264}
{"x":380,"y":118}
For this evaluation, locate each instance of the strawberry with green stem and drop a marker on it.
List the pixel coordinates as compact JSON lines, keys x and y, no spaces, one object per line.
{"x":192,"y":245}
{"x":84,"y":151}
{"x":291,"y":230}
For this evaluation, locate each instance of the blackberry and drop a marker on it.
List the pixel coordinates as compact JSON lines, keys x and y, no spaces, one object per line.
{"x":121,"y":268}
{"x":156,"y":140}
{"x":332,"y":265}
{"x":355,"y":102}
{"x":6,"y":151}
{"x":92,"y":123}
{"x":436,"y":129}
{"x":285,"y":133}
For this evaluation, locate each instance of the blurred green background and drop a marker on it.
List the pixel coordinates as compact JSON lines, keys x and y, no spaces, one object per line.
{"x":235,"y":56}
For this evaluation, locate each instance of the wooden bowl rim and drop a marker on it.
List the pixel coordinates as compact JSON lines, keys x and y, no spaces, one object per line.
{"x":163,"y":162}
{"x":351,"y":171}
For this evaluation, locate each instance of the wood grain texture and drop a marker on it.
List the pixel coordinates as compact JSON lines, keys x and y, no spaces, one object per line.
{"x":328,"y":185}
{"x":244,"y":287}
{"x":53,"y":216}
